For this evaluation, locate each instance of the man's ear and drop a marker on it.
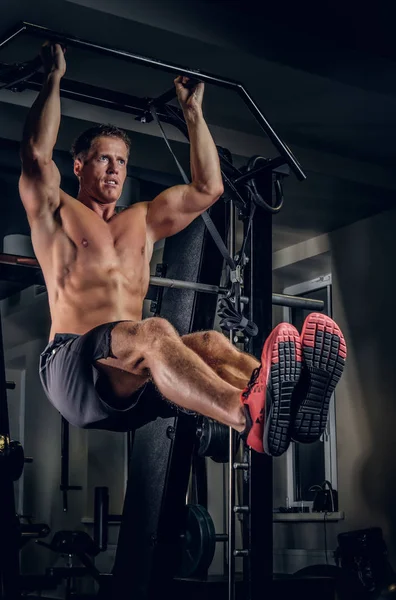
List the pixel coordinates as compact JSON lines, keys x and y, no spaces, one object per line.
{"x":78,"y":165}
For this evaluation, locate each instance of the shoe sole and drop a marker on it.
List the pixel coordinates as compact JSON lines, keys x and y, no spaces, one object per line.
{"x":283,"y":358}
{"x":324,"y":354}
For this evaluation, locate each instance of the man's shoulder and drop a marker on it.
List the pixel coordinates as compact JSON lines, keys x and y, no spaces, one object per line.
{"x":65,"y":197}
{"x":137,"y":208}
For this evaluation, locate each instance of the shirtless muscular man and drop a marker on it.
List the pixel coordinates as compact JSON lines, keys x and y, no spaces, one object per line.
{"x":96,"y":268}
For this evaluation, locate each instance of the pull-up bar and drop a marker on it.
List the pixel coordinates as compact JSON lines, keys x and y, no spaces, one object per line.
{"x":66,"y":40}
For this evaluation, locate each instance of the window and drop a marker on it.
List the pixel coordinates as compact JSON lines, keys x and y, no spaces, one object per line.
{"x":311,"y":464}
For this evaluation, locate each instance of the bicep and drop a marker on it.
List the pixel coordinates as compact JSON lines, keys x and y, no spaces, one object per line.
{"x":173,"y":210}
{"x":39,"y":187}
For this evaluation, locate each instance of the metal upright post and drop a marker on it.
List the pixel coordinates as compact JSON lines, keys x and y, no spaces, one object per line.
{"x":65,"y":487}
{"x":231,"y":472}
{"x":9,"y":523}
{"x":258,"y":286}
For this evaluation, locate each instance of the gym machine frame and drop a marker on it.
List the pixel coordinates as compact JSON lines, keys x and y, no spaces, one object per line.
{"x":19,"y":269}
{"x":257,"y":530}
{"x":43,"y":32}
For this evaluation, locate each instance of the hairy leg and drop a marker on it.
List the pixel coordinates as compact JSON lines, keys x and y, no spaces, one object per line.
{"x":228,"y":362}
{"x":153,"y":348}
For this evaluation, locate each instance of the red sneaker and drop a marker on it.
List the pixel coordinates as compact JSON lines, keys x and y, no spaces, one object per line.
{"x":324,"y":353}
{"x":267,"y":397}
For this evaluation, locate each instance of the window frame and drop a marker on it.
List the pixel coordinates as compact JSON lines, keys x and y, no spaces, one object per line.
{"x":329,"y":437}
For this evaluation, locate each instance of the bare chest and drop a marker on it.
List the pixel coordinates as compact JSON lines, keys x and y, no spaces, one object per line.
{"x":91,"y":242}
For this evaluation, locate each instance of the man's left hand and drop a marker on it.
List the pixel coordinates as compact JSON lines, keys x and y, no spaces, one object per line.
{"x":190,"y":97}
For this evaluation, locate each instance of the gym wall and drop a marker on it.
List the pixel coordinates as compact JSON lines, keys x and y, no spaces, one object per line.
{"x":362,"y":259}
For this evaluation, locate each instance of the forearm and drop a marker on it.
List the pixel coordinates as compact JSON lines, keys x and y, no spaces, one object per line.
{"x":42,"y":123}
{"x":205,"y":164}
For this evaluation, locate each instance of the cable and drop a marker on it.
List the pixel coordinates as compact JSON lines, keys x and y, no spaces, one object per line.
{"x":175,"y":113}
{"x":237,"y":198}
{"x":205,"y":216}
{"x":245,"y":239}
{"x":230,"y":312}
{"x":257,"y":198}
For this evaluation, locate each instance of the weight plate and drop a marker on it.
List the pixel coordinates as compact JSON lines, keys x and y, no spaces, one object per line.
{"x":209,"y":540}
{"x":214,"y":440}
{"x":198,"y":542}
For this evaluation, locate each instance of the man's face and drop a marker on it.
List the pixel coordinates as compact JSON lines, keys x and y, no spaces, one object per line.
{"x":103,"y":171}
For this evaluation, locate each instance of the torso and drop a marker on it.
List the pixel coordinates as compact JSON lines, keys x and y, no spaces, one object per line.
{"x":95,"y":271}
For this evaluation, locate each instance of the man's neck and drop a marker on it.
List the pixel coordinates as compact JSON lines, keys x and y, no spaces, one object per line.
{"x":104,"y":211}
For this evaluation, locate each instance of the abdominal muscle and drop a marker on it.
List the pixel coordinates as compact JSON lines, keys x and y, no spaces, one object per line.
{"x":96,"y":272}
{"x":100,"y":296}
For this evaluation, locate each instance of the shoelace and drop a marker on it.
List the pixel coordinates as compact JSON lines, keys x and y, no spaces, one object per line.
{"x":253,"y":379}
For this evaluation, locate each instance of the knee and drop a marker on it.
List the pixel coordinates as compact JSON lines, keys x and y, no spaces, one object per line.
{"x":133,"y":342}
{"x":155,"y":328}
{"x":212,"y":340}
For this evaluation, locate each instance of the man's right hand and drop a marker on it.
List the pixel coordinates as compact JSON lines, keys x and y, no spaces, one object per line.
{"x":53,"y":57}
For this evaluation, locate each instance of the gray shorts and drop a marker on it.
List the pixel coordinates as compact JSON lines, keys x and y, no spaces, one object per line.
{"x":78,"y":390}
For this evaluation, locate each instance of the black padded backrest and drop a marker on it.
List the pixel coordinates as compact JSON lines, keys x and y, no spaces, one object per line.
{"x":147,"y":551}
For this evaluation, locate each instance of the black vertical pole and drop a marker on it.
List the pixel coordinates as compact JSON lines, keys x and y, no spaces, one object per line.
{"x":65,"y":451}
{"x":258,"y":287}
{"x":231,"y":471}
{"x":101,"y":517}
{"x":64,"y":485}
{"x":9,"y":523}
